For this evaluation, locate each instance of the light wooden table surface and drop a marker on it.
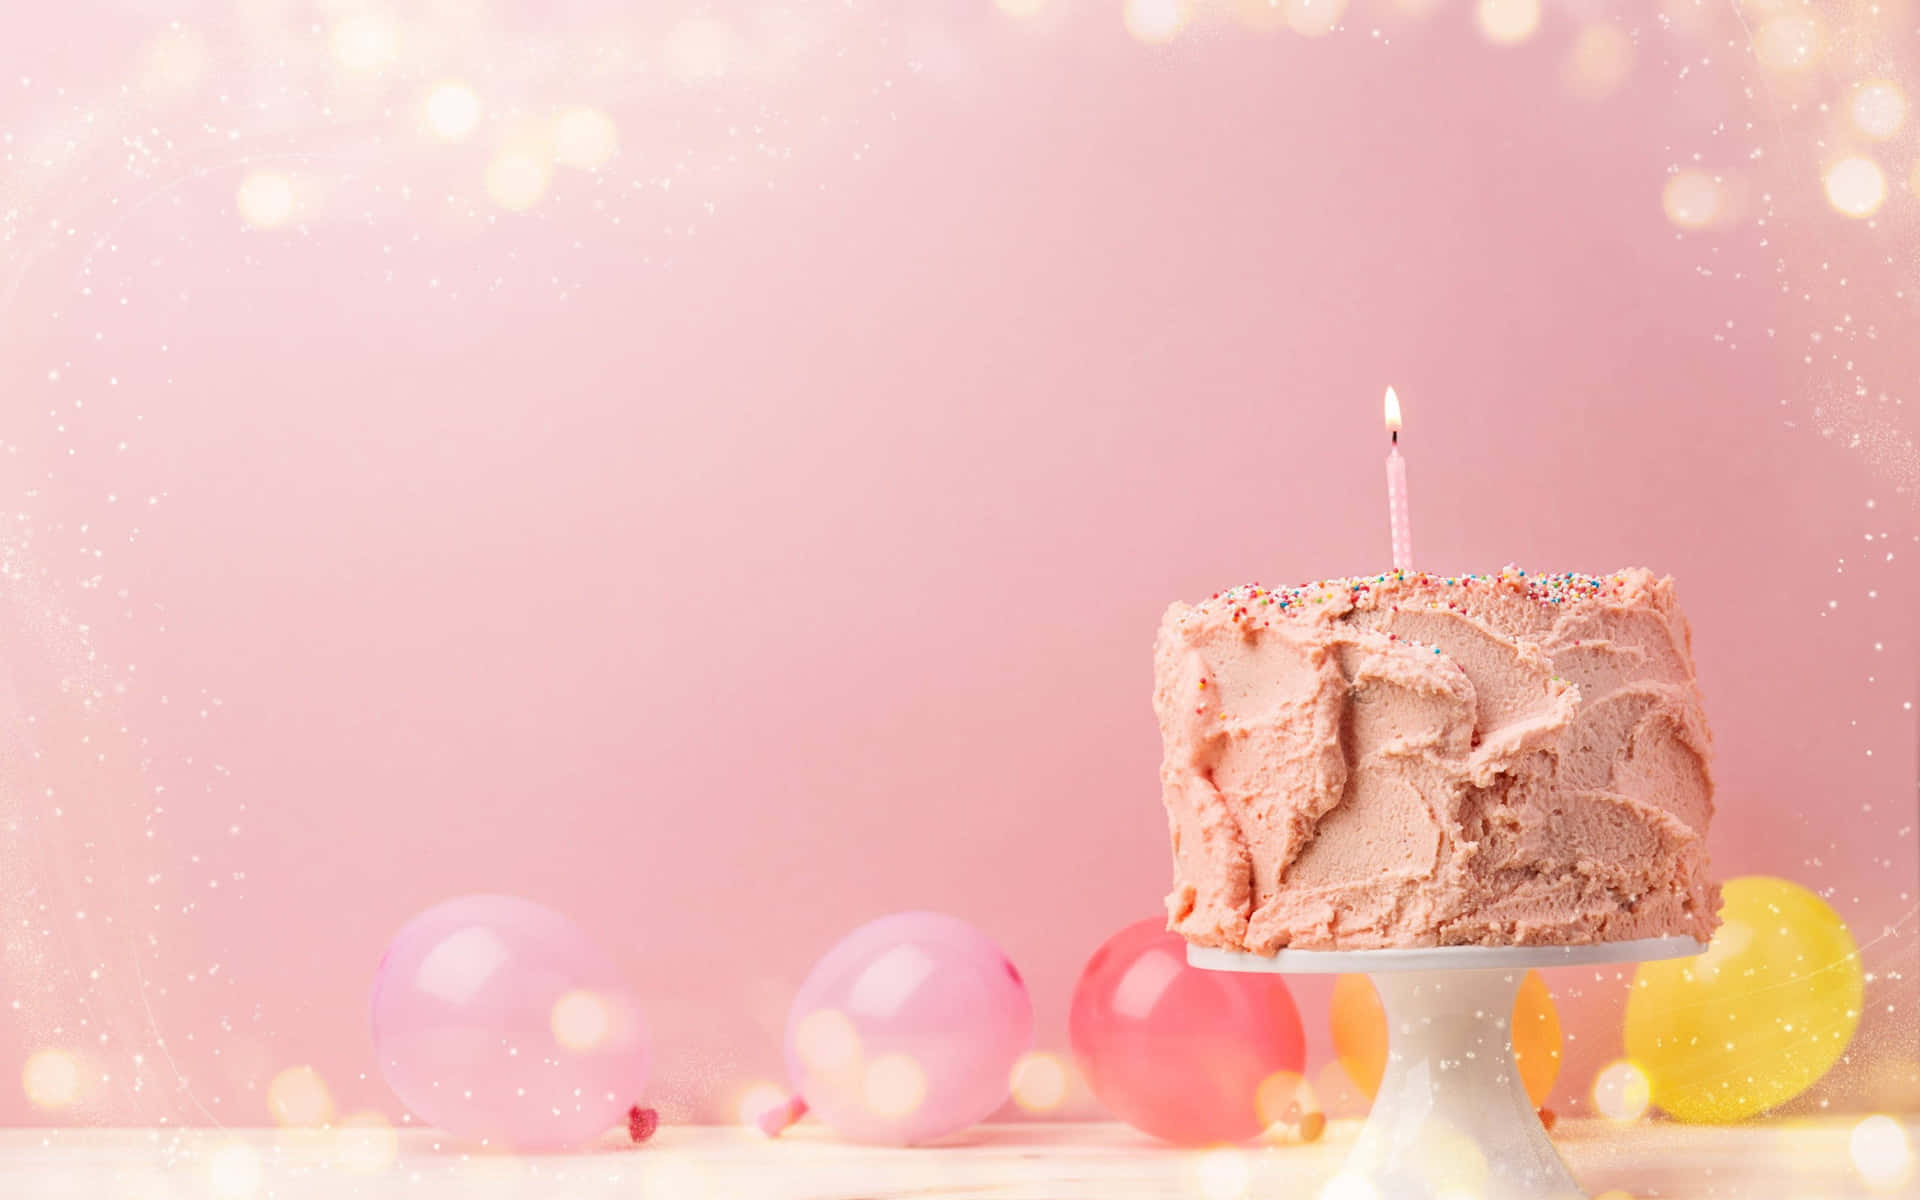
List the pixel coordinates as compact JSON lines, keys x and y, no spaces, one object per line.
{"x":1800,"y":1160}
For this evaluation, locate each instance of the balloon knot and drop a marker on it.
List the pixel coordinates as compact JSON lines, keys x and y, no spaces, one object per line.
{"x":641,"y":1123}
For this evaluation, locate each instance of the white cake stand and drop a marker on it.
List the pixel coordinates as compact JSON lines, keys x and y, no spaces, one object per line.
{"x":1452,"y":1118}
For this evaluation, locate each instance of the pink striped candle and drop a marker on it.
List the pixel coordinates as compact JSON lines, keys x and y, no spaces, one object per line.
{"x":1397,"y":490}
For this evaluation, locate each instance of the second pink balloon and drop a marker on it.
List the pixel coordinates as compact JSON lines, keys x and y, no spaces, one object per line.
{"x":908,"y":1030}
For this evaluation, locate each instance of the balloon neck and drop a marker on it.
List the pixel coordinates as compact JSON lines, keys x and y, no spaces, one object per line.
{"x":641,"y":1123}
{"x":776,"y":1119}
{"x":1310,"y":1125}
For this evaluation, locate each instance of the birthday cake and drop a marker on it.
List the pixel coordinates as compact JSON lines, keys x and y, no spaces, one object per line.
{"x":1423,"y":760}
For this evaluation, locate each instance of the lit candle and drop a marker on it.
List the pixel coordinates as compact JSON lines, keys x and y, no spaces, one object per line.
{"x":1397,"y":490}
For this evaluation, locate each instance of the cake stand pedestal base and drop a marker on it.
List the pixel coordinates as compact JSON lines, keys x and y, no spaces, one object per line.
{"x":1452,"y":1118}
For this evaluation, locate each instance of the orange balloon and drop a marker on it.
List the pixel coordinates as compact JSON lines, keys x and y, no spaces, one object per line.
{"x":1360,"y":1034}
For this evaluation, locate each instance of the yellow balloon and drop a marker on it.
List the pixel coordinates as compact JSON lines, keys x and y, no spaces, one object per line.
{"x":1360,"y":1034}
{"x":1759,"y":1017}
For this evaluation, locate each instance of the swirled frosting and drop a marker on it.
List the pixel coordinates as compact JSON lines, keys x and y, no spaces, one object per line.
{"x":1417,"y":760}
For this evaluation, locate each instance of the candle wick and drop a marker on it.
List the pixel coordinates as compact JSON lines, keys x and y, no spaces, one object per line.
{"x":1395,"y":435}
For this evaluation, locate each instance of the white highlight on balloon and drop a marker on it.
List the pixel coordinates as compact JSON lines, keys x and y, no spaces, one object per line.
{"x":460,"y":964}
{"x":889,"y":981}
{"x":1140,"y":988}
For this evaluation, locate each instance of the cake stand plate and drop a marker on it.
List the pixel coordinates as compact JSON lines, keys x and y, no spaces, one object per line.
{"x":1452,"y":1118}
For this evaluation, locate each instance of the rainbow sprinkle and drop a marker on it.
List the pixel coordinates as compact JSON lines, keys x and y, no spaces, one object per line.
{"x":1553,"y":588}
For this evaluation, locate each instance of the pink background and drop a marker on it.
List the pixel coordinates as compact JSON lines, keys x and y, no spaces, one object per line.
{"x":768,"y":531}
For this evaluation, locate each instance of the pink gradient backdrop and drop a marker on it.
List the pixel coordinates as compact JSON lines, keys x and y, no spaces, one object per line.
{"x":731,"y":562}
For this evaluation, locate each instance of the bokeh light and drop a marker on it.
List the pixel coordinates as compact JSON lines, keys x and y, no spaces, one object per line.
{"x":700,"y":48}
{"x":1449,"y":1160}
{"x":366,"y":1143}
{"x":1222,"y":1174}
{"x":1878,"y":108}
{"x":1621,"y":1091}
{"x":580,"y":1021}
{"x":174,"y":62}
{"x":1358,"y":1024}
{"x":1349,"y":1186}
{"x":234,"y":1172}
{"x":826,"y":1040}
{"x":1788,"y":43}
{"x":298,"y":1097}
{"x":1507,"y":22}
{"x":452,"y":111}
{"x":51,"y":1079}
{"x":141,"y":1183}
{"x":675,"y":1177}
{"x":1881,"y":1153}
{"x":516,"y":179}
{"x":265,"y":199}
{"x":1693,"y":199}
{"x":756,"y":1101}
{"x":585,"y":139}
{"x":1856,"y":186}
{"x":1312,"y":18}
{"x":1282,"y":1097}
{"x":1039,"y":1082}
{"x":365,"y":42}
{"x":895,"y":1085}
{"x":1261,"y":16}
{"x":1600,"y":61}
{"x":1155,"y":20}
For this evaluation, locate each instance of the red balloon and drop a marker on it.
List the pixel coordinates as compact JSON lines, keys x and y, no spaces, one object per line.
{"x":1194,"y":1057}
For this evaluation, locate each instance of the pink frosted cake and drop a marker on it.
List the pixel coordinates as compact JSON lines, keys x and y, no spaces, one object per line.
{"x":1418,"y":760}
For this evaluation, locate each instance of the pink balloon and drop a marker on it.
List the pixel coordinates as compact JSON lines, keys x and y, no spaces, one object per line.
{"x":499,"y":1020}
{"x":908,"y":1030}
{"x":1175,"y":1051}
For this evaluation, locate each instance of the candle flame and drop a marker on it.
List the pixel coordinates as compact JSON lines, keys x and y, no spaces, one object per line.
{"x":1393,"y":412}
